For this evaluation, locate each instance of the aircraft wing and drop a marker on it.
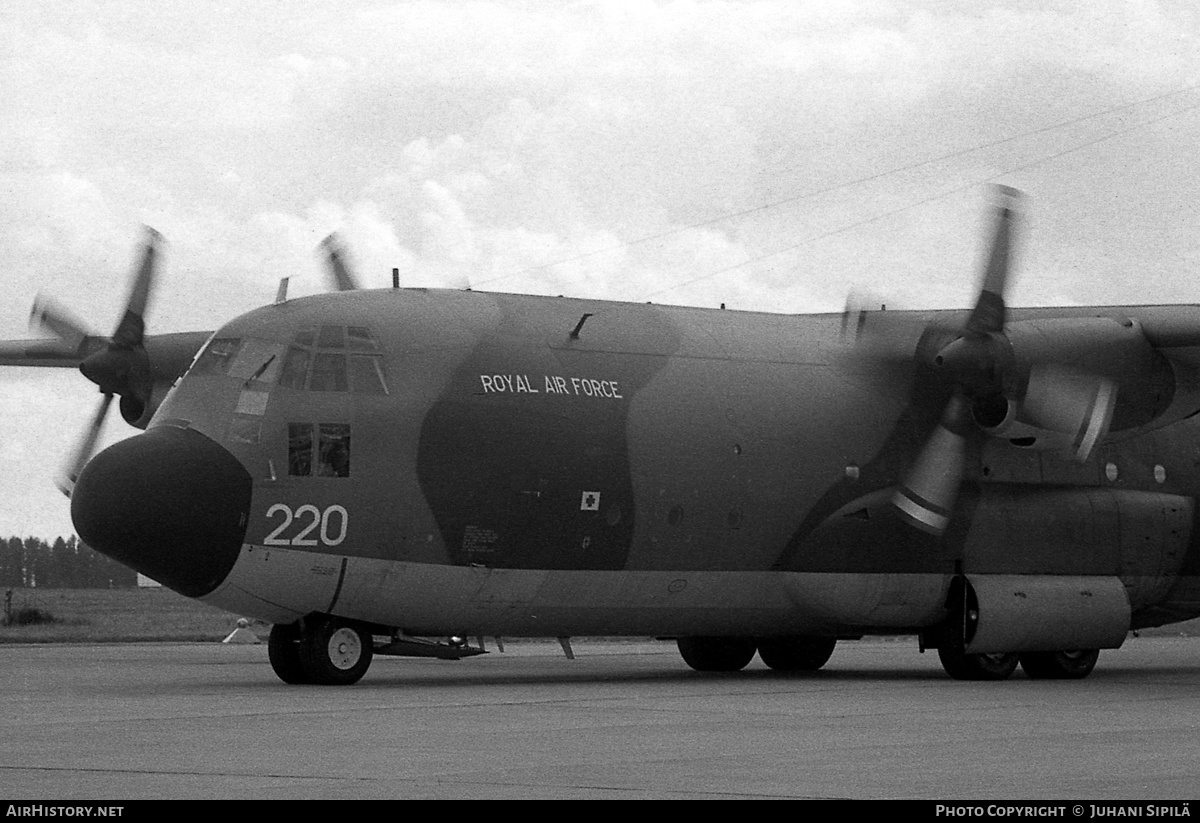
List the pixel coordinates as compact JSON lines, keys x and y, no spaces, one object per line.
{"x":169,"y":354}
{"x":47,"y":352}
{"x":1173,"y":327}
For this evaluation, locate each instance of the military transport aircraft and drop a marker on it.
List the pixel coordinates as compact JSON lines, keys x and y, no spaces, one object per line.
{"x":392,"y":471}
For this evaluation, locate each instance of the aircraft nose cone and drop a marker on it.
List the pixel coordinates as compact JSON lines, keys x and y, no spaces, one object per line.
{"x":170,"y":503}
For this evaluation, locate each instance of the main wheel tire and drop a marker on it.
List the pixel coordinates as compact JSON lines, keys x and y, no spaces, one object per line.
{"x":716,"y":654}
{"x":962,"y":666}
{"x":1065,"y":665}
{"x":796,"y":654}
{"x":283,"y":650}
{"x":334,"y":652}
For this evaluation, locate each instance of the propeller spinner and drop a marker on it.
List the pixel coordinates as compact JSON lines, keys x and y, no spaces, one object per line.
{"x":989,"y":384}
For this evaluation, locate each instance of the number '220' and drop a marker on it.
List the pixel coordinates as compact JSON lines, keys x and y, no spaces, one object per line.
{"x":332,"y":523}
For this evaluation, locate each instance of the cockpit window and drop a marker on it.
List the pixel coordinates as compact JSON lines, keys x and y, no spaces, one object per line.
{"x":295,"y":368}
{"x":216,"y":358}
{"x":332,"y":337}
{"x":366,"y":374}
{"x":328,"y":372}
{"x":360,"y":339}
{"x":257,"y":360}
{"x":252,"y":360}
{"x":331,"y":358}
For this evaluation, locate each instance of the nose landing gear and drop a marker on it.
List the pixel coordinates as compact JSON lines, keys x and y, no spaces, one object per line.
{"x":320,"y":650}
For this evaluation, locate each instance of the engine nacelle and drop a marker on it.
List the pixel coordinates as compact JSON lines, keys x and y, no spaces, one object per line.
{"x":167,"y":357}
{"x":1091,"y":362}
{"x":137,"y":413}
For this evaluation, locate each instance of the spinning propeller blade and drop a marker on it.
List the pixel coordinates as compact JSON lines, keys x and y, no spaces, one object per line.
{"x":132,"y":328}
{"x":48,"y":315}
{"x":83,"y":451}
{"x":1078,"y":405}
{"x":978,"y":365}
{"x":338,"y":264}
{"x":927,"y":495}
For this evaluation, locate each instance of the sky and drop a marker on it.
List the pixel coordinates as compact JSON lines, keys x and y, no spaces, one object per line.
{"x":772,"y":156}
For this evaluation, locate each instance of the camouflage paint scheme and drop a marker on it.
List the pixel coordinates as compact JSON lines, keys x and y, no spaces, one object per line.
{"x":674,"y":471}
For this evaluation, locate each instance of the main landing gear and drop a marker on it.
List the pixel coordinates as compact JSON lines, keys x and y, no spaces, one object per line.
{"x":1065,"y":665}
{"x":320,"y":650}
{"x":731,"y":654}
{"x":963,"y":666}
{"x":1071,"y":665}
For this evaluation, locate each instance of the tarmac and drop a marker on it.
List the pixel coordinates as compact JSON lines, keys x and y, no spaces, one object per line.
{"x":622,"y":720}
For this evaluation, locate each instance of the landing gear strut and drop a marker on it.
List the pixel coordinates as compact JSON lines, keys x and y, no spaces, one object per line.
{"x":321,"y":650}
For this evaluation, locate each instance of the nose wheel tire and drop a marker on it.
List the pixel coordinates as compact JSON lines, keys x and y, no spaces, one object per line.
{"x":321,"y":650}
{"x":963,"y":666}
{"x":796,"y":654}
{"x":716,"y":654}
{"x":1067,"y":665}
{"x":283,"y":649}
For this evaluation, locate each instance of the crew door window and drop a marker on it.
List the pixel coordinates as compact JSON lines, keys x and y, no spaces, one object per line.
{"x":325,"y":455}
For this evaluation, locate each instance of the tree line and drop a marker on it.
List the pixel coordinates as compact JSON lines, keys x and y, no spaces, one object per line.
{"x":64,"y":564}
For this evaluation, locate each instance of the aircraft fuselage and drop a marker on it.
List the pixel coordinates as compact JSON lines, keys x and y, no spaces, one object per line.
{"x":462,"y":463}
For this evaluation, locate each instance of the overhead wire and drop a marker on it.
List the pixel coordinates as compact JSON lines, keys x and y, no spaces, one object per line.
{"x":931,"y":199}
{"x":868,"y":179}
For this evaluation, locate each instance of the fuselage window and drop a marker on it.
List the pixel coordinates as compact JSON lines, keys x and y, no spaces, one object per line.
{"x":332,"y":450}
{"x":217,"y":357}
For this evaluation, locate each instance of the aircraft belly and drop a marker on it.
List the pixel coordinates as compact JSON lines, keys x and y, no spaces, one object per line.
{"x":280,"y":585}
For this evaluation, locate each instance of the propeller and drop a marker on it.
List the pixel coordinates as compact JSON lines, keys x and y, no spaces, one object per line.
{"x":991,"y":386}
{"x":121,"y":367}
{"x":342,"y":272}
{"x":48,"y":315}
{"x":339,"y":266}
{"x":84,"y":449}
